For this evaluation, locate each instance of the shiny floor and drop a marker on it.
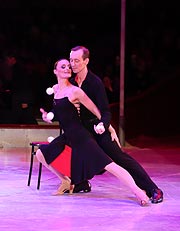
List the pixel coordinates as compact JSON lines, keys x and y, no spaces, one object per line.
{"x":110,"y":205}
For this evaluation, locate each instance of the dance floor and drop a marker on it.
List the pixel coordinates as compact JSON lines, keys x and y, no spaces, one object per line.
{"x":109,"y":206}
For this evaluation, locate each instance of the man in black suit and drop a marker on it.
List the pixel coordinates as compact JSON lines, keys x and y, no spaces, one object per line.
{"x":94,"y":88}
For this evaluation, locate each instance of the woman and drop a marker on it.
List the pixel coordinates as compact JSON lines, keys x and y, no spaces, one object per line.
{"x":88,"y":158}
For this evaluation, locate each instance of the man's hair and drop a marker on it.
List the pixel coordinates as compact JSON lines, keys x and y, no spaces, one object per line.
{"x":86,"y":53}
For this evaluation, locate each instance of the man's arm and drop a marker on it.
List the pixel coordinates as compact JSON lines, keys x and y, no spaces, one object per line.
{"x":94,"y":88}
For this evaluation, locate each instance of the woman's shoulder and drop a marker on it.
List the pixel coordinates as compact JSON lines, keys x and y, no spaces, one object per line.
{"x":55,"y":88}
{"x":75,"y":89}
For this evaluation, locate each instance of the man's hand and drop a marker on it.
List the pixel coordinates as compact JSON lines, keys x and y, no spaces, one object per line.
{"x":99,"y":129}
{"x":44,"y":116}
{"x":114,"y":136}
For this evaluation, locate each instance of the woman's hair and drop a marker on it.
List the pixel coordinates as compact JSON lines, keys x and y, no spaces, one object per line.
{"x":56,"y":63}
{"x":86,"y":53}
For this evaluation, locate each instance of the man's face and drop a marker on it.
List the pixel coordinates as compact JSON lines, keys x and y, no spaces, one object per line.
{"x":77,"y":62}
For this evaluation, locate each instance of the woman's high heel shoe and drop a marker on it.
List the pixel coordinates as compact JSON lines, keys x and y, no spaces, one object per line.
{"x":143,"y":203}
{"x":71,"y":189}
{"x":65,"y":186}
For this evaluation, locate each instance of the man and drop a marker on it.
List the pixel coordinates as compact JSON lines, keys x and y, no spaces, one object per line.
{"x":94,"y":88}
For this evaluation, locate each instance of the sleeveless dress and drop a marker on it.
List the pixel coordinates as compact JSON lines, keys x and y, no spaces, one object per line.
{"x":87,"y":159}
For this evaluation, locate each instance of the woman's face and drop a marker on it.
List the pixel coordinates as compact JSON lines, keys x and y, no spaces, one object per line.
{"x":63,"y":69}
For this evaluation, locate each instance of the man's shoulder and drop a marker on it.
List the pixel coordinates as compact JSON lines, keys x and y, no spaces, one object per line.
{"x":93,"y":77}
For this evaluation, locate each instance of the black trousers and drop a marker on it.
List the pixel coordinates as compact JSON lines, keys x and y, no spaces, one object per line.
{"x":127,"y":162}
{"x":112,"y":149}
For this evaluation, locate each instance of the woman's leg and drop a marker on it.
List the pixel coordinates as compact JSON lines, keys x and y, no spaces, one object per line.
{"x":41,"y":159}
{"x":65,"y":180}
{"x":123,"y":159}
{"x":127,"y":179}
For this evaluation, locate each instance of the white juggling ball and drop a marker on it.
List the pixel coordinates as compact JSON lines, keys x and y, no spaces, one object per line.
{"x":50,"y":139}
{"x":50,"y":115}
{"x":49,"y":91}
{"x":100,"y":126}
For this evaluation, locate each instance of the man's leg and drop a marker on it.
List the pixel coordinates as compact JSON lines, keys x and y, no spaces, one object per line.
{"x":124,"y":160}
{"x":84,"y":186}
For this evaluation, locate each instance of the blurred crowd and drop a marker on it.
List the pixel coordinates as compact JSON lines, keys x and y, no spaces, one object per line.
{"x":31,"y":43}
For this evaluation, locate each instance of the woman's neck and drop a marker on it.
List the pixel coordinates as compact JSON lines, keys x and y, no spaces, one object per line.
{"x":63,"y":89}
{"x":63,"y":83}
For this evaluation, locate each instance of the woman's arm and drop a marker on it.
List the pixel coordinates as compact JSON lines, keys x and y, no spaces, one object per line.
{"x":44,"y":116}
{"x":79,"y":95}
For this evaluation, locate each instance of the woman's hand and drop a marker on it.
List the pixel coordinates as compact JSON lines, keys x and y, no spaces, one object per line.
{"x":44,"y":116}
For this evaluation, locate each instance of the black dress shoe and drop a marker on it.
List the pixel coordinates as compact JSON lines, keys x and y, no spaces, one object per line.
{"x":157,"y":196}
{"x":84,"y":186}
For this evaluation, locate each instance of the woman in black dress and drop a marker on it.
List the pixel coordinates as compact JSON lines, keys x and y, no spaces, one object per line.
{"x":88,"y":159}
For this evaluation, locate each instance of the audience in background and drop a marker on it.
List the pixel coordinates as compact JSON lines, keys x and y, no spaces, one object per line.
{"x":150,"y":53}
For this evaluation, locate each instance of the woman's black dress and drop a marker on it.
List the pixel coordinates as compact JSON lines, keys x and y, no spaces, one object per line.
{"x":87,"y":159}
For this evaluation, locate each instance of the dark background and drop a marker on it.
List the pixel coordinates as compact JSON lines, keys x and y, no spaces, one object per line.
{"x":39,"y":32}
